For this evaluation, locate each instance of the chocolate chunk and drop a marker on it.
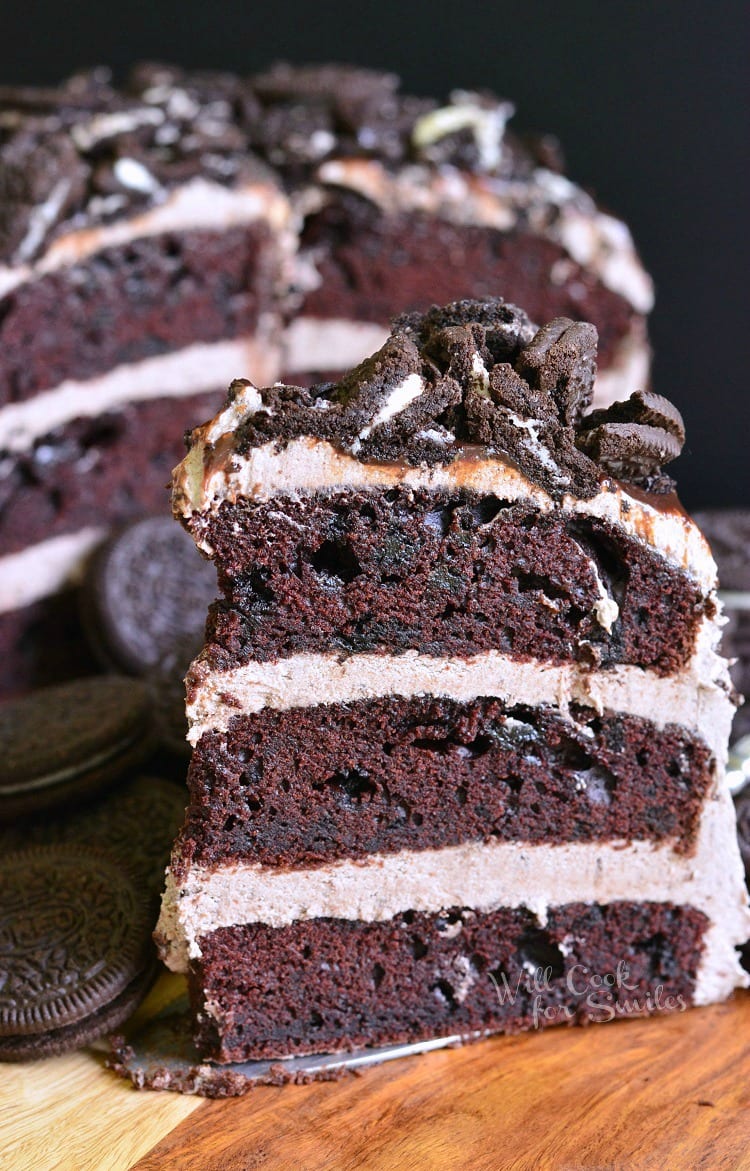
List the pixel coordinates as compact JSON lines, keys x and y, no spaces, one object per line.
{"x":62,"y":743}
{"x":506,"y":327}
{"x":76,"y":938}
{"x":634,"y":439}
{"x":145,"y":597}
{"x":561,"y":360}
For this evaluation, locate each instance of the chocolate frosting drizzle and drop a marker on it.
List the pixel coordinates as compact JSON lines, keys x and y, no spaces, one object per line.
{"x":478,"y":373}
{"x":87,"y":152}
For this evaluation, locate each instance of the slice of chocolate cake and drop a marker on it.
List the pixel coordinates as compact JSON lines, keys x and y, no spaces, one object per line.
{"x":158,"y":240}
{"x":460,"y":725}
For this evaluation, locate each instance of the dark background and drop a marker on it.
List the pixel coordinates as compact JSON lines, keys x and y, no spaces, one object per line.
{"x":650,"y":101}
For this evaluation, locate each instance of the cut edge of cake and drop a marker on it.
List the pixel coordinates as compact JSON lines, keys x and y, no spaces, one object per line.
{"x":464,"y":405}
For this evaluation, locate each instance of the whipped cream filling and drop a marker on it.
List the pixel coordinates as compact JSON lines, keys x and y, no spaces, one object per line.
{"x":192,"y":370}
{"x":697,"y":698}
{"x":199,"y":204}
{"x":45,"y":568}
{"x":398,"y":400}
{"x":212,"y":474}
{"x":548,"y":203}
{"x":482,"y":876}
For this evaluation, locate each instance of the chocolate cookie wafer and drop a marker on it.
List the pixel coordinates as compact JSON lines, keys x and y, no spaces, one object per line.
{"x":135,"y":824}
{"x":75,"y":948}
{"x":62,"y":743}
{"x":145,"y":597}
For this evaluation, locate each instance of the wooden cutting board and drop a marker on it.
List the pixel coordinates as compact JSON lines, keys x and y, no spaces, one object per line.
{"x":666,"y":1093}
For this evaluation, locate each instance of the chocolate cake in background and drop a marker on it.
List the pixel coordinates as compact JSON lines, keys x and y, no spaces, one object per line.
{"x":459,"y":723}
{"x":161,"y":239}
{"x":728,"y":531}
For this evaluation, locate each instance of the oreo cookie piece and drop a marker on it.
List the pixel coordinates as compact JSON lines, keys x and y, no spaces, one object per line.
{"x":75,"y":949}
{"x":63,"y":743}
{"x":146,"y":597}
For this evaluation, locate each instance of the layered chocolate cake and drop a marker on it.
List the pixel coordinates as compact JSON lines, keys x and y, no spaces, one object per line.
{"x":158,"y":240}
{"x":459,"y":724}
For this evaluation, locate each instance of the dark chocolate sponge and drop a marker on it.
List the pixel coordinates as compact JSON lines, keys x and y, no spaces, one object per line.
{"x":75,"y":939}
{"x":61,"y":743}
{"x":145,"y":598}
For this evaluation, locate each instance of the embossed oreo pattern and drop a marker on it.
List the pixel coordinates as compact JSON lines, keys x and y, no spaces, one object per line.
{"x":73,"y":935}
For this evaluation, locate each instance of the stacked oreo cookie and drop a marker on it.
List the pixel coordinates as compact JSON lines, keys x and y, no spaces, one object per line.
{"x":83,"y":843}
{"x":84,"y":830}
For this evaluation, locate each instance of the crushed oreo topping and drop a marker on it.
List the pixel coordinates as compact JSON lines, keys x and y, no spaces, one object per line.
{"x":477,"y":373}
{"x":632,"y":440}
{"x":88,"y":152}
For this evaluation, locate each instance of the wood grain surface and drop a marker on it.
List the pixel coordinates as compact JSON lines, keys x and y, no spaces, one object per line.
{"x":663,"y":1093}
{"x":666,"y":1093}
{"x":71,"y":1114}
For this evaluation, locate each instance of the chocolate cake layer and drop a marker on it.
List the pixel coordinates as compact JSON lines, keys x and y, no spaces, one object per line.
{"x":374,"y":266}
{"x":112,"y":466}
{"x":331,"y":984}
{"x":147,"y":297}
{"x":311,"y":785}
{"x":442,"y":573}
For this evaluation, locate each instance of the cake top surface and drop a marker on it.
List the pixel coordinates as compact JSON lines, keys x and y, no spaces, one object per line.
{"x":88,"y":152}
{"x":472,"y":375}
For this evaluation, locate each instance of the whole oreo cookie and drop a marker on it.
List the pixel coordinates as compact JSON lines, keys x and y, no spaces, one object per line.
{"x":146,"y":596}
{"x":75,"y":949}
{"x":135,"y":824}
{"x":62,"y":743}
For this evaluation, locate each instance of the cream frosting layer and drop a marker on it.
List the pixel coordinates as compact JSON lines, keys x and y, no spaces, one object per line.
{"x":213,"y":473}
{"x":482,"y":876}
{"x":199,"y":204}
{"x":697,"y":698}
{"x":45,"y":568}
{"x":545,"y":203}
{"x":192,"y":370}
